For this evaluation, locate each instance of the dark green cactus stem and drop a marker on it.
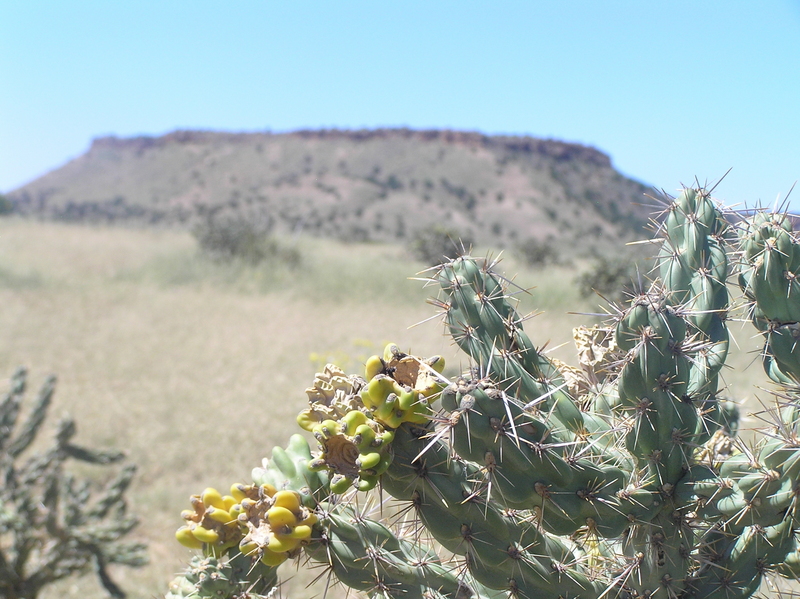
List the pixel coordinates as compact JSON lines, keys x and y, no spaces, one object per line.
{"x":503,"y":550}
{"x":367,"y":556}
{"x":694,"y":267}
{"x":519,"y":415}
{"x":677,"y":342}
{"x":484,"y":324}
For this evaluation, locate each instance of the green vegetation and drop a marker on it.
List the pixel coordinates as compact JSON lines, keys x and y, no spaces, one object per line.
{"x":436,"y":244}
{"x":537,"y":254}
{"x":50,"y":525}
{"x":517,"y":475}
{"x":229,"y":236}
{"x":6,"y":207}
{"x":616,"y":279}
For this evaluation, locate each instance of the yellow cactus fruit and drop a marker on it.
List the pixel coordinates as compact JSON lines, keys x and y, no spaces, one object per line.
{"x":205,"y":535}
{"x":301,"y":532}
{"x":187,"y":539}
{"x":212,"y":497}
{"x":437,"y":363}
{"x":248,"y":548}
{"x":374,"y":366}
{"x":279,"y":517}
{"x":407,"y":400}
{"x":390,"y":352}
{"x":220,"y":515}
{"x":310,"y":520}
{"x":287,"y":499}
{"x":282,"y":544}
{"x":369,"y":460}
{"x":307,"y":419}
{"x":238,"y":492}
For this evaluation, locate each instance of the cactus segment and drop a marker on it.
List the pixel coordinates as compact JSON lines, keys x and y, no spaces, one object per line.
{"x":484,"y":324}
{"x":365,"y":555}
{"x":211,"y":578}
{"x":289,"y":469}
{"x":769,"y":267}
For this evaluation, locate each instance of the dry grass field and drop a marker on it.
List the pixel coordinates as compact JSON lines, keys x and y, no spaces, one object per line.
{"x":197,"y":369}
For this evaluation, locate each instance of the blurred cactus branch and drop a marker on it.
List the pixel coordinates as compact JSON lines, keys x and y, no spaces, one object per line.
{"x":51,"y":524}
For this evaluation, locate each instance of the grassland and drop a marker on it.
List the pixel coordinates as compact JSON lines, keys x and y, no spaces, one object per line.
{"x":197,"y":369}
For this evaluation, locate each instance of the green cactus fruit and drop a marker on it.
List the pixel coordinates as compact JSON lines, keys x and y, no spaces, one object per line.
{"x":420,"y":374}
{"x":354,"y":449}
{"x":392,"y":404}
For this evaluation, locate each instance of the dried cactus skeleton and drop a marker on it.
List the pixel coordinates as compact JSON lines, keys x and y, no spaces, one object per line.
{"x":50,"y":525}
{"x":524,"y":478}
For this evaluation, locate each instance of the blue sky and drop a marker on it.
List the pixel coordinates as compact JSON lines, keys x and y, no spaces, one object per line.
{"x":672,"y":90}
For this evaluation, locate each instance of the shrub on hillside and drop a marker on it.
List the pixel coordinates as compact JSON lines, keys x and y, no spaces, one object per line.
{"x":435,"y":243}
{"x":6,"y":207}
{"x":536,"y":253}
{"x":229,"y":236}
{"x":616,"y":279}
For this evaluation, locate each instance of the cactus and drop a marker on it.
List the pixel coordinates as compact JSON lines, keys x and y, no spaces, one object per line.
{"x":525,"y":477}
{"x":50,"y":526}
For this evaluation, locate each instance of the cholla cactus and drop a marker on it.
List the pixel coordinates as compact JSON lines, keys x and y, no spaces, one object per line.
{"x":621,"y":478}
{"x":50,"y":525}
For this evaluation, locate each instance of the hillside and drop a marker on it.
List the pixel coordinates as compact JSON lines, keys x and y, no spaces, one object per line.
{"x":354,"y":185}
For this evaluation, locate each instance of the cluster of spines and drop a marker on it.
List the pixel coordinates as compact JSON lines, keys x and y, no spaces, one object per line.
{"x":505,"y":550}
{"x":365,"y":555}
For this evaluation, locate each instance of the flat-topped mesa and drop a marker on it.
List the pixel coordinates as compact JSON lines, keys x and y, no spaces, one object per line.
{"x":552,"y":148}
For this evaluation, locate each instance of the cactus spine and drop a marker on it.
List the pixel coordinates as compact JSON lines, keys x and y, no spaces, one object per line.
{"x":623,"y":479}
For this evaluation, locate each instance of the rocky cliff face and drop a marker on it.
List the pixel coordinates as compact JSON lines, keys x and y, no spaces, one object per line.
{"x":381,"y":184}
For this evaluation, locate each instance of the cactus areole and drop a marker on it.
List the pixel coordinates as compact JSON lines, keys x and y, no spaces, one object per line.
{"x":524,"y":477}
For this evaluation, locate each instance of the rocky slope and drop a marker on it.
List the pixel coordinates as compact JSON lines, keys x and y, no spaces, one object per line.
{"x":356,"y":185}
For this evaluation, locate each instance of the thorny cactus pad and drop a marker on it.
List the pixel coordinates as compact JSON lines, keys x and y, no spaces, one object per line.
{"x":524,"y":477}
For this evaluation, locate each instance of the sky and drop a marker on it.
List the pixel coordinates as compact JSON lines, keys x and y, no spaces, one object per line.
{"x":672,"y":90}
